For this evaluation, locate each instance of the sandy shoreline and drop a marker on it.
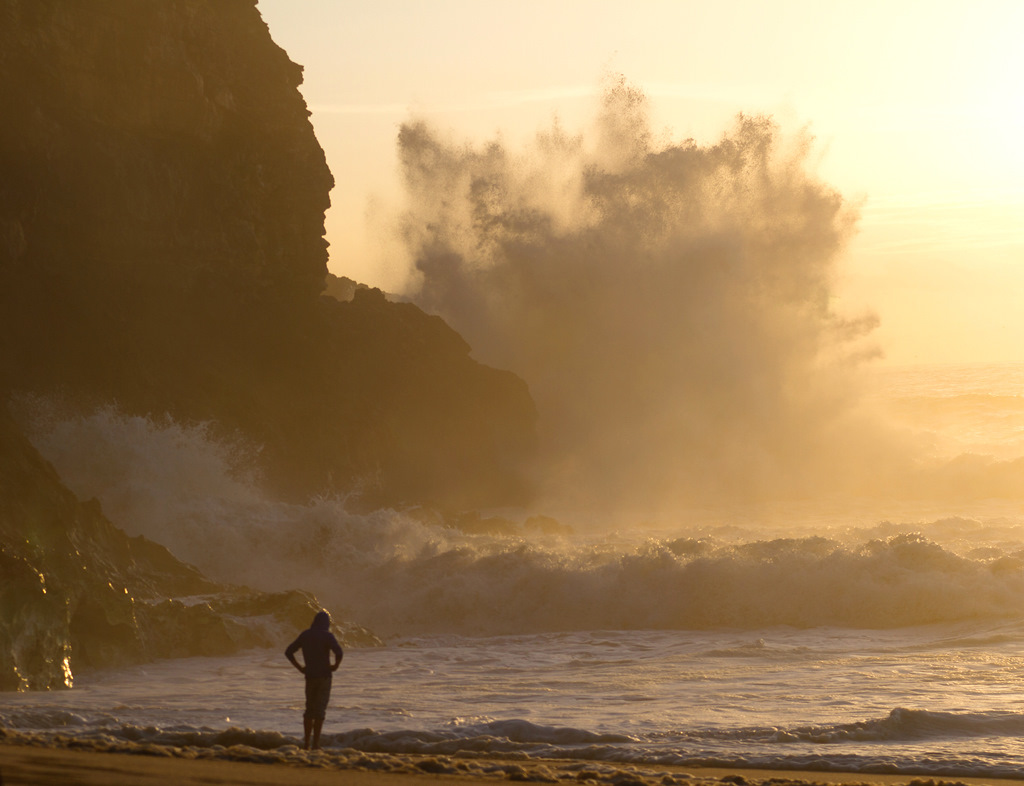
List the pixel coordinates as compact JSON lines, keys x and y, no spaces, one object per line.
{"x":46,"y":765}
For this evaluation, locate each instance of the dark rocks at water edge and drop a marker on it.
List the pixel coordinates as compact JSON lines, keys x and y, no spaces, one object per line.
{"x":76,"y":592}
{"x":162,"y":198}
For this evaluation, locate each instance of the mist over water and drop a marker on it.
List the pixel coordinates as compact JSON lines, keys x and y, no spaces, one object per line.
{"x":404,"y":573}
{"x":669,"y":304}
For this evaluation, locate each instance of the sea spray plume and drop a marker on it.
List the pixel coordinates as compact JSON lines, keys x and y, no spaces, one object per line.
{"x":669,"y":305}
{"x":145,"y":470}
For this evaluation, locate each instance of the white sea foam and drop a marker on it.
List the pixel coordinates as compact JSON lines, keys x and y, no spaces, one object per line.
{"x":399,"y":574}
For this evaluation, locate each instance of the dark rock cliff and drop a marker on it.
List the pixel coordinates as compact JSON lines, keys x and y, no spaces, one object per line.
{"x":157,"y":143}
{"x":162,"y":199}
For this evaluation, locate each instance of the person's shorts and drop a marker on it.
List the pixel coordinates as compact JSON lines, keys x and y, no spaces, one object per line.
{"x":318,"y":693}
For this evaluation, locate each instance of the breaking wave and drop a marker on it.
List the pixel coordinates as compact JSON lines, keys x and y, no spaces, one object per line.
{"x":400,"y":573}
{"x":670,"y":304}
{"x":511,"y":745}
{"x":919,"y":725}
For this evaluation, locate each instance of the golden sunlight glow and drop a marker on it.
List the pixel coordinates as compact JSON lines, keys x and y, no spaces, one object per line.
{"x":916,"y":107}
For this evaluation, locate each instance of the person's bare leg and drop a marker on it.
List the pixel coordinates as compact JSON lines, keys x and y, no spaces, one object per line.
{"x":318,"y":724}
{"x":307,"y":727}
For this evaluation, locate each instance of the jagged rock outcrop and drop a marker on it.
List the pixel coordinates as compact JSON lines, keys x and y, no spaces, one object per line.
{"x":162,"y":199}
{"x":76,"y":592}
{"x":341,"y":288}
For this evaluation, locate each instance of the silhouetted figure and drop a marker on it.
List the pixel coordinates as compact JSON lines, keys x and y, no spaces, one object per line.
{"x":317,"y":643}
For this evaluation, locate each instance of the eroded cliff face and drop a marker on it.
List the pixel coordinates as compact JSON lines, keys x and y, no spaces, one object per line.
{"x":162,"y":198}
{"x":157,"y":144}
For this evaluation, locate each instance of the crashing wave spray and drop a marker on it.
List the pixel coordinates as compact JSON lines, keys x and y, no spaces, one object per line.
{"x":669,"y":305}
{"x":402,"y":573}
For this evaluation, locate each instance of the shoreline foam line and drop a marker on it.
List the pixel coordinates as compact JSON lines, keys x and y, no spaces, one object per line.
{"x":36,"y":765}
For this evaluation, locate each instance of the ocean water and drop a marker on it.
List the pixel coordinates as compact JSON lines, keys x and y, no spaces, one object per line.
{"x":865,"y":636}
{"x":937,"y":700}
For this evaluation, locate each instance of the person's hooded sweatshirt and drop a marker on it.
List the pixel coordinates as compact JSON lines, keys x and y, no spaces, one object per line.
{"x":316,"y":642}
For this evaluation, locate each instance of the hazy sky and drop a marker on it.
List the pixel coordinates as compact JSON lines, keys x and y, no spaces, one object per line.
{"x":917,"y":108}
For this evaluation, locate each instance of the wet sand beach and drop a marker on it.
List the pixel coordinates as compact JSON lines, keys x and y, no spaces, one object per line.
{"x":45,"y":766}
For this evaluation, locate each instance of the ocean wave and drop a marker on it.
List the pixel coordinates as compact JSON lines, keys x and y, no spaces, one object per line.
{"x":906,"y":724}
{"x":602,"y":756}
{"x":901,"y":725}
{"x":408,"y":573}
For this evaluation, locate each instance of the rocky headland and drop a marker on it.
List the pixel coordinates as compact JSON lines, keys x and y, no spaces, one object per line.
{"x":162,"y":198}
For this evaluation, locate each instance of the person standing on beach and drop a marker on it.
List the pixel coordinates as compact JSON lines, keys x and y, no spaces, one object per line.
{"x":317,"y":643}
